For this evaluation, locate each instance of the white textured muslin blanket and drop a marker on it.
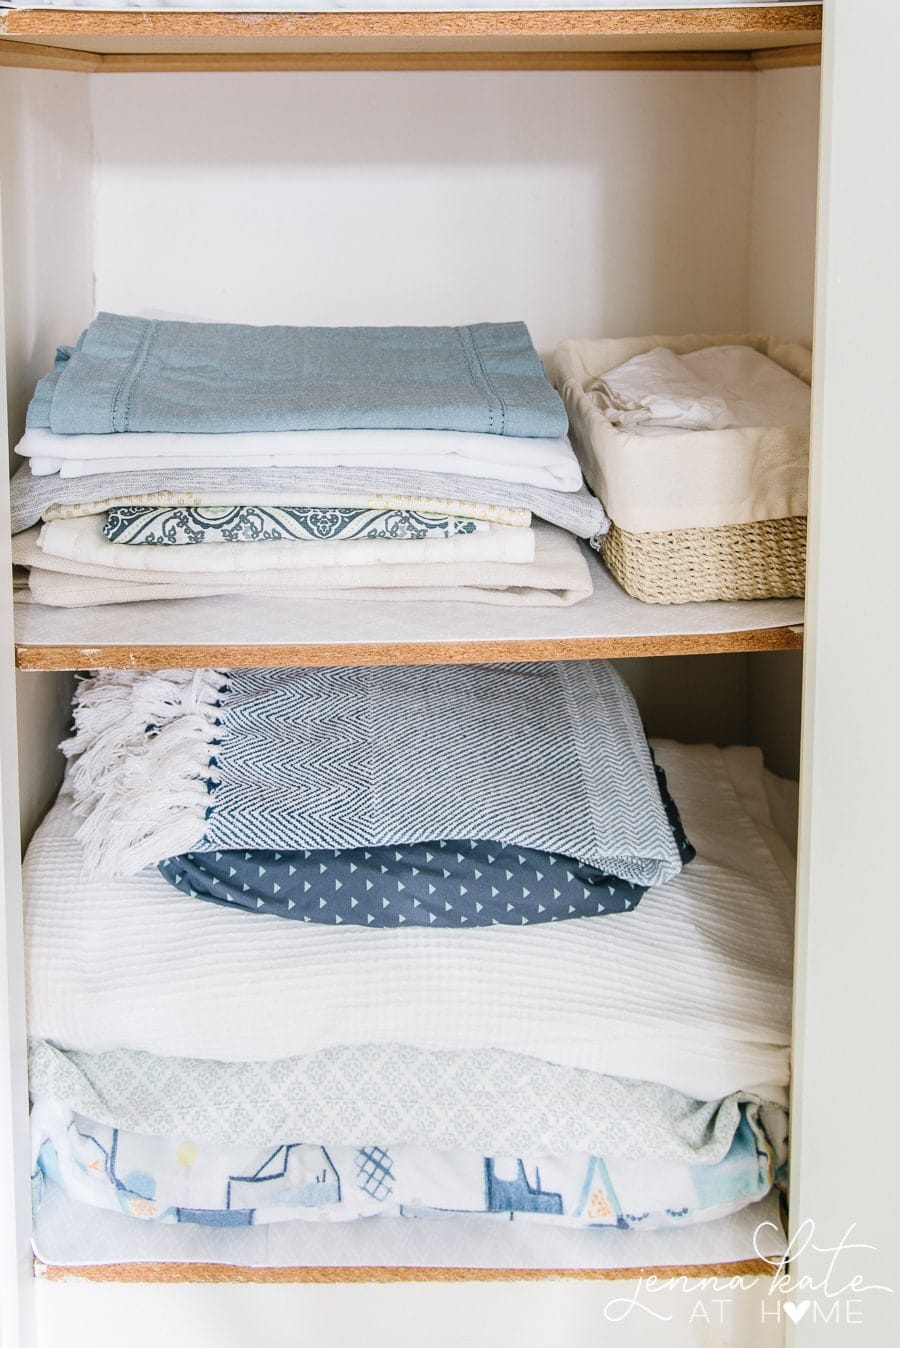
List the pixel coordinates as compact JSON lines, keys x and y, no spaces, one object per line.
{"x":551,"y":756}
{"x":685,"y":479}
{"x":691,"y":990}
{"x":548,"y":463}
{"x":82,"y":540}
{"x":712,"y":389}
{"x":558,"y":576}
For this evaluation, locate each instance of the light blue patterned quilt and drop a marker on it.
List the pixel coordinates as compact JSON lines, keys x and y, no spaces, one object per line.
{"x":177,"y":1180}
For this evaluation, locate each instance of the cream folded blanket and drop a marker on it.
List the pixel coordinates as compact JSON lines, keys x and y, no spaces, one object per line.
{"x":708,"y":390}
{"x":539,"y":462}
{"x":82,"y":540}
{"x":558,"y":576}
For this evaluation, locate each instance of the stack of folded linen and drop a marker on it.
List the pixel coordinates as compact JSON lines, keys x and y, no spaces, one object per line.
{"x":506,"y":993}
{"x":172,"y":459}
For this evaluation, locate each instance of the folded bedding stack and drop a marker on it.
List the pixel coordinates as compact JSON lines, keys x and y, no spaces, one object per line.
{"x":698,"y":447}
{"x":170,"y":459}
{"x":325,"y":944}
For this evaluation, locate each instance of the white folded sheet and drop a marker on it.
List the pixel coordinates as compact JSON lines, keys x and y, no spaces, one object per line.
{"x":538,"y":462}
{"x":82,"y":540}
{"x":713,"y":389}
{"x":691,"y":990}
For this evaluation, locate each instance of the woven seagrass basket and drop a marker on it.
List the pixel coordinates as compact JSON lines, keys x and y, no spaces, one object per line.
{"x":762,"y":560}
{"x":682,"y":502}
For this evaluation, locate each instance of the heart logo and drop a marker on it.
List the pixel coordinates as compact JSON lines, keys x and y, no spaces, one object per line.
{"x":796,"y":1313}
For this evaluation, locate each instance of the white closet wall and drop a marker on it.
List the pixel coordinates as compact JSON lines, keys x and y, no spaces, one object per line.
{"x":845,"y":1070}
{"x":782,"y":257}
{"x":782,"y":267}
{"x":477,"y":1315}
{"x":581,"y":202}
{"x":45,"y":145}
{"x":45,"y":148}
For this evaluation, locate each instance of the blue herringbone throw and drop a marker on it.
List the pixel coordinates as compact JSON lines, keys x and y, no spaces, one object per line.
{"x":549,"y":756}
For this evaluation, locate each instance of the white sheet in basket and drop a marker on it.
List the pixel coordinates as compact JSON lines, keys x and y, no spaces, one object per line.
{"x":714,"y":389}
{"x":691,"y":990}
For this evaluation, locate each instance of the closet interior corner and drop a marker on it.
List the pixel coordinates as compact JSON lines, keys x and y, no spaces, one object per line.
{"x":337,"y":171}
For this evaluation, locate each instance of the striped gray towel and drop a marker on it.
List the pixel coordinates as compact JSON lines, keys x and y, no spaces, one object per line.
{"x":30,"y":496}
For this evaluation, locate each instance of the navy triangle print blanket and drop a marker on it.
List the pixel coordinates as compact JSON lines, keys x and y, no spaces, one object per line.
{"x":440,"y":884}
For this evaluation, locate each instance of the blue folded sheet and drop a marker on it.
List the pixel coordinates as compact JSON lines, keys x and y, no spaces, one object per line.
{"x":138,"y":374}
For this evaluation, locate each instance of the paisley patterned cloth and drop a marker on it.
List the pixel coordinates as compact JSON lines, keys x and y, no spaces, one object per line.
{"x":175,"y":1179}
{"x":82,"y":542}
{"x":253,"y":524}
{"x":442,"y":884}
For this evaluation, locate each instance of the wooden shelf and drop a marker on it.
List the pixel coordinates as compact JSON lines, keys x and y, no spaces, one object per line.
{"x":228,"y":1273}
{"x":735,"y":38}
{"x":74,"y":657}
{"x":274,"y":631}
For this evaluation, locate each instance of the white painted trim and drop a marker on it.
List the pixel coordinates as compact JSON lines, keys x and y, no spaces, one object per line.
{"x":846,"y":992}
{"x":16,"y":1283}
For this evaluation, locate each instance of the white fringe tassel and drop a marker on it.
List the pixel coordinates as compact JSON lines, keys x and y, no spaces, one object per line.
{"x":140,"y":764}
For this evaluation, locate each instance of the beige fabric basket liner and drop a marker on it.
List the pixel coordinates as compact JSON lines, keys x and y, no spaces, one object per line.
{"x":688,"y":479}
